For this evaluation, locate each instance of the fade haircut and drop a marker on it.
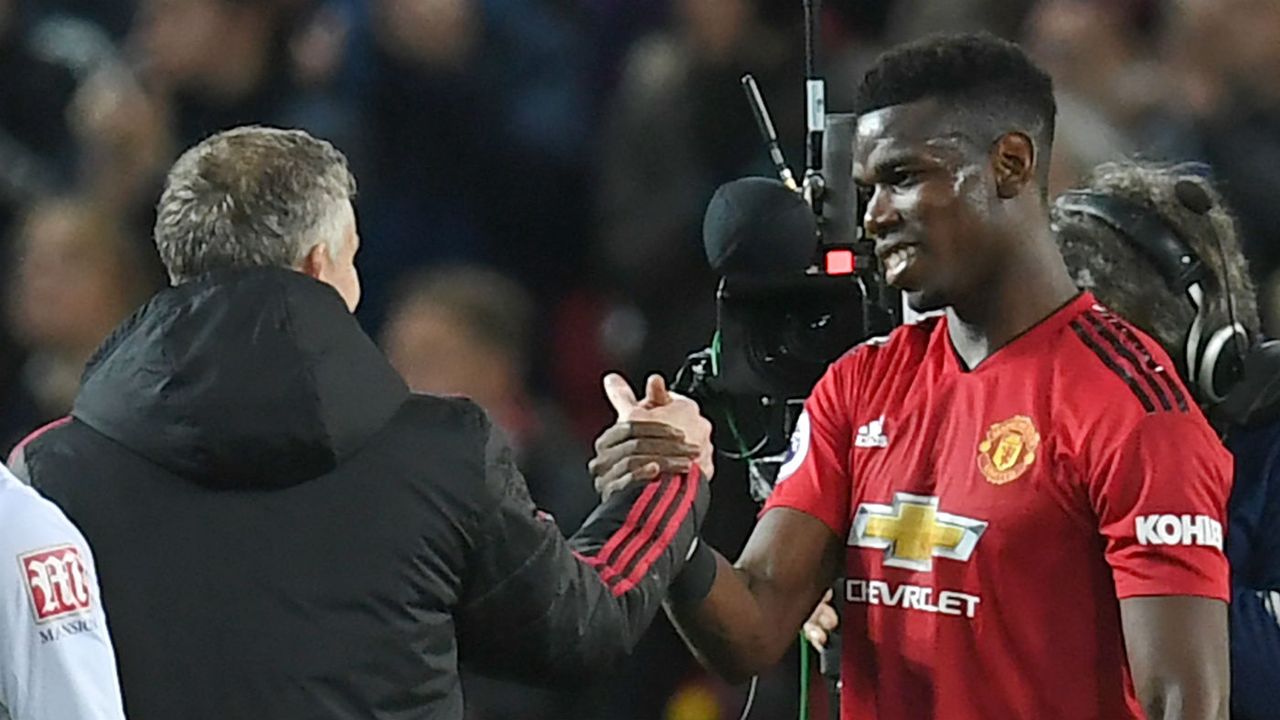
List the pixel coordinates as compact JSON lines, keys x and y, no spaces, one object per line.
{"x":988,"y":86}
{"x":1102,"y":260}
{"x":252,"y":197}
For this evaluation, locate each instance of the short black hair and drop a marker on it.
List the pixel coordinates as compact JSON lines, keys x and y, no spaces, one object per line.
{"x":981,"y":75}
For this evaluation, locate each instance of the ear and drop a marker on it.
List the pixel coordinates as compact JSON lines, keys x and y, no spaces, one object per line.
{"x":315,"y":261}
{"x":1014,"y":159}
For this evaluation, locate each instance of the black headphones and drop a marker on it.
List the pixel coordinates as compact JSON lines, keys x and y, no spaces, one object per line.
{"x":1214,"y":356}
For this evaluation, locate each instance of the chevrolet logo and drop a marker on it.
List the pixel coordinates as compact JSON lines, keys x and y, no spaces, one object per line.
{"x":912,"y":532}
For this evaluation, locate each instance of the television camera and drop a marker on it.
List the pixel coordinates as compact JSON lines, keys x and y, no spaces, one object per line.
{"x":799,"y":285}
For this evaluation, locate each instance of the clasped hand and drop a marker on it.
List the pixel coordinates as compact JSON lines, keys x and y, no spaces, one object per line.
{"x":662,"y":433}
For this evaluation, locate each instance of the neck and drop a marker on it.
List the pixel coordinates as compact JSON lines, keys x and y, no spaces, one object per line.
{"x":1028,"y":288}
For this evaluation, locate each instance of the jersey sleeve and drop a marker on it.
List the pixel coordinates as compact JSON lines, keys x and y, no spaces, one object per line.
{"x":1160,"y":497}
{"x":816,"y":478}
{"x":56,"y":660}
{"x":538,"y":607}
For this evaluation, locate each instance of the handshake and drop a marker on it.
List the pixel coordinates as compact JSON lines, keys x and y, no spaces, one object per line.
{"x":662,"y":433}
{"x":665,"y":433}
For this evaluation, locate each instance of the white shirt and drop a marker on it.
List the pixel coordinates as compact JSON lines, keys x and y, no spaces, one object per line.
{"x":56,"y":661}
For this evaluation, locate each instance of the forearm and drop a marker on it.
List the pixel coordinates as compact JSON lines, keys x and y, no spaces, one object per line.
{"x":1177,"y":647}
{"x":1200,"y":694}
{"x":756,"y":606}
{"x":730,"y":631}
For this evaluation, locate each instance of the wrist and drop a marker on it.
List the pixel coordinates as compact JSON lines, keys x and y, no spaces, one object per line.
{"x":694,"y":581}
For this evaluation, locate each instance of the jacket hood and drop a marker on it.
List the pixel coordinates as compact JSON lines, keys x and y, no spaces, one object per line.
{"x":241,"y":379}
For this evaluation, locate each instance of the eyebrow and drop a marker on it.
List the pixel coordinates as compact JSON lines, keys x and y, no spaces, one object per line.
{"x":896,"y":160}
{"x":891,"y":162}
{"x":940,"y":145}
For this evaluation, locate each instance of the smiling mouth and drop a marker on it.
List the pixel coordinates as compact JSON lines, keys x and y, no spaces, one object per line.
{"x":895,"y":259}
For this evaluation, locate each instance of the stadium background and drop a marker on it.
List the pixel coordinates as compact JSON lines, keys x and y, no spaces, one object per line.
{"x":532,"y":179}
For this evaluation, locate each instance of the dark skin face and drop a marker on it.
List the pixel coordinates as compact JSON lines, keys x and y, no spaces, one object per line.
{"x":930,"y":203}
{"x":957,"y":214}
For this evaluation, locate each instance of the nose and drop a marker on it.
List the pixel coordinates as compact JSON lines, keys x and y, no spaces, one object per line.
{"x":880,"y":216}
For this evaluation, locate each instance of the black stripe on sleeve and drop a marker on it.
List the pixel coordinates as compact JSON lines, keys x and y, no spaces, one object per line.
{"x":1175,"y":387}
{"x":661,"y":536}
{"x":1114,"y":366}
{"x":1124,"y":352}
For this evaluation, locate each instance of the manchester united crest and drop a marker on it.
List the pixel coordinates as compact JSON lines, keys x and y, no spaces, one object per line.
{"x":1008,"y":449}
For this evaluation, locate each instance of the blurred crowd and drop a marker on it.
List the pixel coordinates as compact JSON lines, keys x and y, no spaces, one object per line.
{"x":532,"y":180}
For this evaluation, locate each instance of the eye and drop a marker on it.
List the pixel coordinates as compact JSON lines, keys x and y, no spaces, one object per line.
{"x":903,"y":177}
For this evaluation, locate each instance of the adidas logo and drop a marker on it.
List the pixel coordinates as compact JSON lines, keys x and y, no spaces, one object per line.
{"x":872,"y":435}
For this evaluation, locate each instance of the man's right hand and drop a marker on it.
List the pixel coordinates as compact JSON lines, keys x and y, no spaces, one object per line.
{"x":662,"y":433}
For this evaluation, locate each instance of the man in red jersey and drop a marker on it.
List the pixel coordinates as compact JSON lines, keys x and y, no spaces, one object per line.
{"x":1025,"y":503}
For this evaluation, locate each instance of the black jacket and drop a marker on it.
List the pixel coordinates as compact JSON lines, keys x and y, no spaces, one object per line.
{"x":283,"y":531}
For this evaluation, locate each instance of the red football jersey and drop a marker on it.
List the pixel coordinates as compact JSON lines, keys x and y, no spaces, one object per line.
{"x":994,"y":517}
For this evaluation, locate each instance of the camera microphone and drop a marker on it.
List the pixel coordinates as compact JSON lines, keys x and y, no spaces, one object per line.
{"x":757,"y":226}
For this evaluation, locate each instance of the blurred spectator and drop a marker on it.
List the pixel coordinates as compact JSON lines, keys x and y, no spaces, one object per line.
{"x":77,"y":276}
{"x":207,"y":65}
{"x":198,"y":66}
{"x":36,"y":86}
{"x":43,"y":59}
{"x":125,"y":143}
{"x":221,"y":62}
{"x":467,"y":331}
{"x":615,"y":25}
{"x":114,"y":16}
{"x":852,"y":36}
{"x":1105,"y":80}
{"x":1074,"y":40}
{"x":1224,"y":56}
{"x":679,"y":127}
{"x":1269,"y":304}
{"x":480,"y":122}
{"x":910,"y":19}
{"x":433,"y":145}
{"x":34,"y":145}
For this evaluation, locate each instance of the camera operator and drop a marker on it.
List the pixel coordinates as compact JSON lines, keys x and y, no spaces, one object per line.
{"x":1004,"y":475}
{"x":1111,"y":264}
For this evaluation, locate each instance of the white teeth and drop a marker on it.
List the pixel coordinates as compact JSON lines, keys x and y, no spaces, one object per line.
{"x":897,"y":261}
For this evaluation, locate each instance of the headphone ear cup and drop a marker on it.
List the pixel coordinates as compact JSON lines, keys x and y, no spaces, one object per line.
{"x":1193,"y":342}
{"x":1255,"y":399}
{"x":1220,"y":365}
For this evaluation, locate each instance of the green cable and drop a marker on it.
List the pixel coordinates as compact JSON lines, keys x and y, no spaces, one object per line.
{"x":804,"y":678}
{"x":742,"y":447}
{"x":728,"y":414}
